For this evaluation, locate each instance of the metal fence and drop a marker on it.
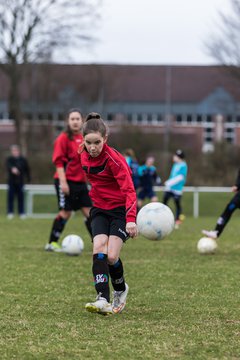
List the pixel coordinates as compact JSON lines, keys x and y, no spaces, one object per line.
{"x":43,"y":190}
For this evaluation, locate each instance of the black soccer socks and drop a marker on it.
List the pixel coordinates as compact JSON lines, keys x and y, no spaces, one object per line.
{"x":57,"y":228}
{"x":101,"y":275}
{"x":117,"y":278}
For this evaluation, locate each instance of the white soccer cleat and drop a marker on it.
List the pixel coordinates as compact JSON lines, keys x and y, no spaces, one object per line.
{"x":100,"y":306}
{"x":119,"y":300}
{"x":211,"y":234}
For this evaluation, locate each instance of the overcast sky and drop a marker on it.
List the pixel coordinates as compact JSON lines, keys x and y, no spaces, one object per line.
{"x":154,"y":32}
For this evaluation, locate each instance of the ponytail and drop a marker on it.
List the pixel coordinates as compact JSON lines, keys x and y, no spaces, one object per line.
{"x":92,"y":115}
{"x":94,"y":123}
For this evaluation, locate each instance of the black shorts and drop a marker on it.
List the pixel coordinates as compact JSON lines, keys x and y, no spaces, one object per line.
{"x":77,"y":199}
{"x":109,"y":222}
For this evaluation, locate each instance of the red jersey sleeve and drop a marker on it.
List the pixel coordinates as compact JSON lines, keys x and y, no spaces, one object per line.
{"x":122,"y":174}
{"x":59,"y":157}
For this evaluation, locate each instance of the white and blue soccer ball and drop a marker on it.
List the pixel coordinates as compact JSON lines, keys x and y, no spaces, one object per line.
{"x":155,"y":221}
{"x":72,"y":245}
{"x":206,"y":246}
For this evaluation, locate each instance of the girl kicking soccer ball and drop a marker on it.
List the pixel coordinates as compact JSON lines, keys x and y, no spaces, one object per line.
{"x":112,"y":217}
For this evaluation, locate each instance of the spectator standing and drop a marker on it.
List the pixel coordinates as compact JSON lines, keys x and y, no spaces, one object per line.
{"x":18,"y":172}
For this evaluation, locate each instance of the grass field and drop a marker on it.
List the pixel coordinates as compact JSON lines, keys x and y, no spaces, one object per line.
{"x":181,"y":305}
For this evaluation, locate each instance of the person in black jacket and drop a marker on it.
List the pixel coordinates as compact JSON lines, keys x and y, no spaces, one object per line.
{"x":18,"y":171}
{"x":222,"y":221}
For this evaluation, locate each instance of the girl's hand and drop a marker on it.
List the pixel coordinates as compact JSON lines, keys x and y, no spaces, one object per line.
{"x":15,"y":171}
{"x":81,"y":147}
{"x":65,"y":188}
{"x":131,"y":228}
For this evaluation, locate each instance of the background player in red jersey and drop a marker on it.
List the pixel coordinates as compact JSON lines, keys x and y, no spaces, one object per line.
{"x":70,"y":179}
{"x":113,"y":215}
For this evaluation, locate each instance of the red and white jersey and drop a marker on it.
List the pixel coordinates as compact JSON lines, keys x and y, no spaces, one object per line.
{"x":111,"y":181}
{"x":65,"y":155}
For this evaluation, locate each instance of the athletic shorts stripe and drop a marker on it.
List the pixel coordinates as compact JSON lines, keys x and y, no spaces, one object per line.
{"x":77,"y":199}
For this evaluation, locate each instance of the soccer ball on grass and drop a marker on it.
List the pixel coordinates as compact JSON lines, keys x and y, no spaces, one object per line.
{"x":72,"y":245}
{"x":155,"y":221}
{"x":206,"y":245}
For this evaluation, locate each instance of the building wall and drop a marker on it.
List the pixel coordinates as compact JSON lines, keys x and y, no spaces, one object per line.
{"x":201,"y":101}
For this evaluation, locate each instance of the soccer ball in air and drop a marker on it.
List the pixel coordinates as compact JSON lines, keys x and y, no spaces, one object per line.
{"x":206,"y":245}
{"x":155,"y":221}
{"x":72,"y":245}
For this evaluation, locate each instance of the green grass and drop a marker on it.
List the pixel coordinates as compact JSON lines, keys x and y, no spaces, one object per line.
{"x":181,"y":305}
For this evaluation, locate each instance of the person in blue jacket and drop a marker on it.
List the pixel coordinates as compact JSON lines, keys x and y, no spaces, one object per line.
{"x":133,"y":164}
{"x":175,"y":184}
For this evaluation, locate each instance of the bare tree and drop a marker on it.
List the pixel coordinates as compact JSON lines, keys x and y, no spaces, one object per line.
{"x":33,"y":30}
{"x":224,"y":45}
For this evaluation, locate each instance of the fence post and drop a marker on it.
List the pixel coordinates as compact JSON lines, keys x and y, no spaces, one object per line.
{"x":29,"y":203}
{"x":196,"y":202}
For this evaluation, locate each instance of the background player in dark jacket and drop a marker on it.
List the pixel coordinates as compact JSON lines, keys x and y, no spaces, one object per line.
{"x":69,"y":178}
{"x":148,"y":178}
{"x":227,"y":213}
{"x":113,"y":215}
{"x":18,"y":172}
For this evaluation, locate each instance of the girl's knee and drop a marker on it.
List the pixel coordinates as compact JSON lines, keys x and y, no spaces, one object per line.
{"x":112,"y":258}
{"x":100,"y":244}
{"x":65,"y":214}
